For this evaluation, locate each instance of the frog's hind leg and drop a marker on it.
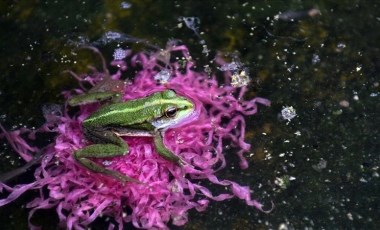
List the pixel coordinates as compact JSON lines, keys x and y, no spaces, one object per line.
{"x":94,"y":97}
{"x":111,"y":146}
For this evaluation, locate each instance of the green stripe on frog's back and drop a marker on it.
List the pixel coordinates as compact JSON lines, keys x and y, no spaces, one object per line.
{"x":127,"y":113}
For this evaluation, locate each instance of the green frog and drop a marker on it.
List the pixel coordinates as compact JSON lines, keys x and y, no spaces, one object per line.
{"x":147,"y":116}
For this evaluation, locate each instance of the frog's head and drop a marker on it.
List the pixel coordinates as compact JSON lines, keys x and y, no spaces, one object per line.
{"x":174,"y":110}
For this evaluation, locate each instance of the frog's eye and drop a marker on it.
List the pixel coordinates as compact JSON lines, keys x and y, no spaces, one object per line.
{"x":171,"y":112}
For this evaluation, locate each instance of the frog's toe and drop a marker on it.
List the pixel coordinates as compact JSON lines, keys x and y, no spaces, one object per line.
{"x":181,"y":162}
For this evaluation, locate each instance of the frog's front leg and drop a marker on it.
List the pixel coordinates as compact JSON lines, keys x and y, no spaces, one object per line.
{"x":163,"y":151}
{"x":112,"y":145}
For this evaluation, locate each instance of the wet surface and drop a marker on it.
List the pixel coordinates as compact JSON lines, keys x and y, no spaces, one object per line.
{"x":320,"y":168}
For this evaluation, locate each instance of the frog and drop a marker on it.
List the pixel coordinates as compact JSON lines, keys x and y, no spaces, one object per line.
{"x":148,"y":116}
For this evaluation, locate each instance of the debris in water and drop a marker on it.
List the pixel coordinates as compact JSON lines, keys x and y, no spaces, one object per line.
{"x":240,"y":79}
{"x":191,"y":23}
{"x":112,"y":36}
{"x":120,"y":54}
{"x":205,"y":50}
{"x":315,"y":59}
{"x":288,"y":113}
{"x":291,"y":15}
{"x":125,"y":5}
{"x":340,"y":46}
{"x":232,"y":66}
{"x":52,"y":112}
{"x":163,"y":76}
{"x":284,"y":181}
{"x":322,"y":164}
{"x":344,"y":103}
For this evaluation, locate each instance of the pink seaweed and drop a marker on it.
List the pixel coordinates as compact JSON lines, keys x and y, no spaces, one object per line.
{"x":168,"y":191}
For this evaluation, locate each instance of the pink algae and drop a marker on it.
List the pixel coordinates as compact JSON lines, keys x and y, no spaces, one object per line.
{"x":167,"y":191}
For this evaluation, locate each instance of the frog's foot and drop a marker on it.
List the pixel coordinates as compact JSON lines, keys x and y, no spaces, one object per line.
{"x":182,"y":163}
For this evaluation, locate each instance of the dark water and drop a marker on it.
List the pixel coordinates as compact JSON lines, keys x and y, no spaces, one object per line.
{"x":321,"y":169}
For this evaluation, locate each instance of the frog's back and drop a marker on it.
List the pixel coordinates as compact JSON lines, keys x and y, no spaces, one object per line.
{"x":127,"y":113}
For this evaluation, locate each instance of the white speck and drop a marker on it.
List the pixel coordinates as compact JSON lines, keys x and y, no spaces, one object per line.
{"x":356,"y":97}
{"x":344,"y":103}
{"x":315,"y":59}
{"x":107,"y":163}
{"x":101,"y":185}
{"x":205,"y":50}
{"x":283,"y":227}
{"x":290,"y":69}
{"x":371,"y":95}
{"x":349,"y":216}
{"x":125,"y":5}
{"x":298,"y":133}
{"x":340,"y":46}
{"x":179,"y":140}
{"x":207,"y":69}
{"x":358,"y":68}
{"x":288,"y":113}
